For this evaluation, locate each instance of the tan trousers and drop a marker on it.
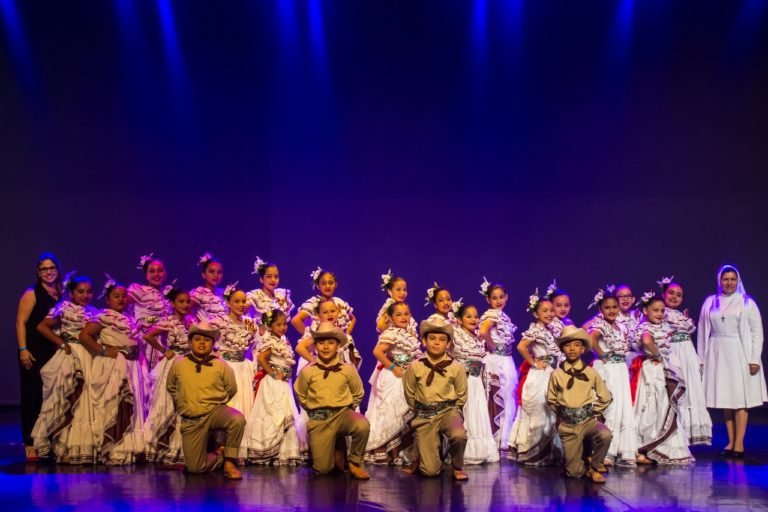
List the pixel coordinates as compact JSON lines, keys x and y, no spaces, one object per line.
{"x":194,"y":437}
{"x":573,"y":437}
{"x":427,"y":433}
{"x":323,"y":435}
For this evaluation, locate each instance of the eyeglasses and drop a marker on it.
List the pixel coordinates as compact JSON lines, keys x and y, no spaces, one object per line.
{"x":44,"y":270}
{"x":625,"y":296}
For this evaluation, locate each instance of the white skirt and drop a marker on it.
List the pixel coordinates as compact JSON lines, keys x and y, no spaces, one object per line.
{"x":501,"y":382}
{"x":620,"y":415}
{"x":389,"y":416}
{"x":63,"y":427}
{"x":534,"y":436}
{"x":245,"y":371}
{"x":659,"y":436}
{"x":162,"y":430}
{"x":481,"y":446}
{"x":274,"y":431}
{"x":727,"y":382}
{"x":693,"y":415}
{"x":117,"y":387}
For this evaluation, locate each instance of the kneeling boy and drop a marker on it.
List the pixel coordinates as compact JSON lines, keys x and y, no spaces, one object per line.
{"x":330,"y":390}
{"x":579,"y":396}
{"x":435,"y":388}
{"x":201,"y":384}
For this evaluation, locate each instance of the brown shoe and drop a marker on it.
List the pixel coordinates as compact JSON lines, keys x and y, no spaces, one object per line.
{"x":642,"y":459}
{"x":410,"y":470}
{"x":231,"y":472}
{"x":596,"y":476}
{"x":460,"y":475}
{"x":358,"y":472}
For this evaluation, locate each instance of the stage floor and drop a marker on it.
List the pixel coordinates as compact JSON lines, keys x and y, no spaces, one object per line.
{"x":710,"y":484}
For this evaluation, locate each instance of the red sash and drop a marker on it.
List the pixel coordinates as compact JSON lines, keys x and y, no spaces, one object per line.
{"x":257,"y":380}
{"x":635,"y":370}
{"x":523,"y":374}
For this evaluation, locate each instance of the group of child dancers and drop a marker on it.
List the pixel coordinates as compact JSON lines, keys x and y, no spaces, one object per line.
{"x":206,"y":378}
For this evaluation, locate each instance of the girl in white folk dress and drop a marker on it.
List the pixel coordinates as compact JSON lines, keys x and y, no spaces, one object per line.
{"x":442,"y":301}
{"x":324,"y":281}
{"x":685,"y":362}
{"x":397,"y":291}
{"x":534,"y":440}
{"x":269,"y":296}
{"x":388,"y":413}
{"x":63,"y":428}
{"x":169,"y":337}
{"x":658,"y":391}
{"x":119,"y":382}
{"x":469,"y":350}
{"x":561,"y":302}
{"x":498,"y":332}
{"x":275,"y":433}
{"x":146,"y":303}
{"x":237,"y":336}
{"x":208,"y":299}
{"x":611,"y":343}
{"x":731,"y":344}
{"x":628,"y":317}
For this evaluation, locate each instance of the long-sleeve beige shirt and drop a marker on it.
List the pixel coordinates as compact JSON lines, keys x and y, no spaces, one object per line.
{"x":340,"y":389}
{"x":583,"y":392}
{"x":451,"y":386}
{"x":196,"y":394}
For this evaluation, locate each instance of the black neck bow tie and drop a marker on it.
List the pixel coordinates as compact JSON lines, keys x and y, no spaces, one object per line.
{"x":575,"y":374}
{"x":328,"y":369}
{"x":436,"y":368}
{"x":199,"y":363}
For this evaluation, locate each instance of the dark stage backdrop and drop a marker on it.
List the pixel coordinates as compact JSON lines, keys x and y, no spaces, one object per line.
{"x":593,"y":142}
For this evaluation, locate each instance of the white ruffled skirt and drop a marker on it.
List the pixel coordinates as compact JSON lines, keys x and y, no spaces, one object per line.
{"x":501,"y":382}
{"x":274,"y":431}
{"x":534,"y":437}
{"x":118,"y":389}
{"x":693,"y":415}
{"x":63,"y":427}
{"x":389,"y":416}
{"x":620,"y":414}
{"x":659,"y":436}
{"x":245,"y":371}
{"x":162,"y":429}
{"x":481,"y":446}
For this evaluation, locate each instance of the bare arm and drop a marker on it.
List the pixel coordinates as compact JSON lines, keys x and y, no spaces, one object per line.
{"x":485,"y":334}
{"x":382,"y":323}
{"x":26,"y":303}
{"x":46,"y":329}
{"x":352,"y":323}
{"x":151,"y":338}
{"x":298,"y":321}
{"x":303,"y":348}
{"x":522,"y":347}
{"x":594,"y":337}
{"x":650,"y":344}
{"x":89,"y":338}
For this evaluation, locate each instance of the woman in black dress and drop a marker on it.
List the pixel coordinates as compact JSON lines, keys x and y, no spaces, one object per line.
{"x":34,"y":349}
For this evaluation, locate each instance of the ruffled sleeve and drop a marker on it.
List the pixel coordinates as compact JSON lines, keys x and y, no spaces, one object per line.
{"x":389,"y":336}
{"x":309,"y":306}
